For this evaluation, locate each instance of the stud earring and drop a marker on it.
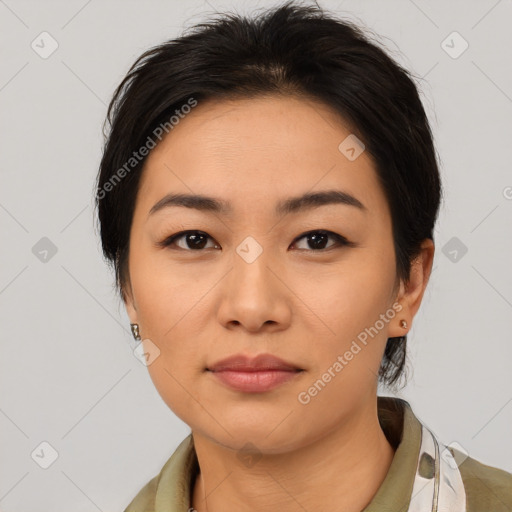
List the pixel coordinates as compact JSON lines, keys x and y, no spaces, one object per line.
{"x":403,"y":324}
{"x":135,"y":331}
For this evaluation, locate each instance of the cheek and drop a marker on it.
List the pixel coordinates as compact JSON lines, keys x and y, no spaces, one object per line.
{"x":351,"y":300}
{"x":178,"y":389}
{"x":171,"y":310}
{"x":166,"y":293}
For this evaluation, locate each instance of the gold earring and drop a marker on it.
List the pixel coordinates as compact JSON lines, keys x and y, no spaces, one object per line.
{"x":135,"y":331}
{"x":403,"y":324}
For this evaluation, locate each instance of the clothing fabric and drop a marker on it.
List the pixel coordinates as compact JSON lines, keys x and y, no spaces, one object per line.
{"x":424,"y":476}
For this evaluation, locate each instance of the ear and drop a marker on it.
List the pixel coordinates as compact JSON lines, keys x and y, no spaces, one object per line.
{"x":411,"y":294}
{"x":130,"y":304}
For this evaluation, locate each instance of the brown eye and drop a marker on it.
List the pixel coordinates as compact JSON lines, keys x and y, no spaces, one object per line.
{"x":318,"y":240}
{"x":188,"y":240}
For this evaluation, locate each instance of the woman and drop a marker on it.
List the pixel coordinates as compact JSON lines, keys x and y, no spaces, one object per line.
{"x":267,"y":195}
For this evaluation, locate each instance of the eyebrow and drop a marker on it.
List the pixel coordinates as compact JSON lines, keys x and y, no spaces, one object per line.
{"x":297,"y":204}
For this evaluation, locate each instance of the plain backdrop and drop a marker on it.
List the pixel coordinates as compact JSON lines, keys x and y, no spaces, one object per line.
{"x":68,"y":375}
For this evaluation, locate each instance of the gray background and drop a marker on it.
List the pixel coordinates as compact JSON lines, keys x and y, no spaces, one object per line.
{"x":67,"y":372}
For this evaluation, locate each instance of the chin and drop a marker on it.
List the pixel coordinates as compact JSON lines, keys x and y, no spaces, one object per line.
{"x":257,"y":438}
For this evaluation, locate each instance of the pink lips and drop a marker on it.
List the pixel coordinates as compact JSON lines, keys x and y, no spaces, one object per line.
{"x":254,"y":375}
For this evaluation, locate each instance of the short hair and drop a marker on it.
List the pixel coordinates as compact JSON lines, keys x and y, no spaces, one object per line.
{"x":289,"y":50}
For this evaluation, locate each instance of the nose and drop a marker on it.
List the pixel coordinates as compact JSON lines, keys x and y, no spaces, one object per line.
{"x":254,"y":296}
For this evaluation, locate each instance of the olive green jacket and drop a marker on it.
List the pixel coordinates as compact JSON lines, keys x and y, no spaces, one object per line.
{"x":424,"y":476}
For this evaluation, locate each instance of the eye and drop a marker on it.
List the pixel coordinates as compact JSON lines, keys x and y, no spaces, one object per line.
{"x":318,"y":239}
{"x":197,"y":240}
{"x":193,"y":240}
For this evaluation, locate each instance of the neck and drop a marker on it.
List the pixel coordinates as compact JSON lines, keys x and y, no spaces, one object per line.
{"x":327,"y":474}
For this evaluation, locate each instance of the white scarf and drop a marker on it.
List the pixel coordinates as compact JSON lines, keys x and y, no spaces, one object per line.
{"x":438,"y":485}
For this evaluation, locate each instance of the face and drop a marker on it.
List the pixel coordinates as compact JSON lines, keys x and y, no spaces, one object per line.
{"x":305,"y":284}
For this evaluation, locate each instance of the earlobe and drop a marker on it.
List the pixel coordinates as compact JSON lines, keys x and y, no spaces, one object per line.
{"x":131,"y":311}
{"x":400,"y":325}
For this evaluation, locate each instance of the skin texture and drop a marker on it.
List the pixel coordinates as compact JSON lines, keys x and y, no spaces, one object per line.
{"x":302,"y":304}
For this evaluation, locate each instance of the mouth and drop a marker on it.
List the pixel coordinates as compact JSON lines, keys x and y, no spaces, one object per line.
{"x":262,"y":362}
{"x":255,"y":381}
{"x":254,"y":375}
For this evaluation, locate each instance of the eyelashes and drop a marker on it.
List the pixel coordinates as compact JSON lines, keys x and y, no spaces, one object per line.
{"x":195,"y":236}
{"x":195,"y":241}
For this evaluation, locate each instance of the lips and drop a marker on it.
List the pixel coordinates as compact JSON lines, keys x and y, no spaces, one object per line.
{"x":254,"y":374}
{"x":262,"y":362}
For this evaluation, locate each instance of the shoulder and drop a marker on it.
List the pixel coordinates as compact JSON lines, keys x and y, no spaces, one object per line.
{"x":144,"y":501}
{"x":170,"y":489}
{"x":487,"y":487}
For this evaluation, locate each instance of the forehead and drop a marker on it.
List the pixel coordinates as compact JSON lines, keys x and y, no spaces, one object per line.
{"x":258,"y":150}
